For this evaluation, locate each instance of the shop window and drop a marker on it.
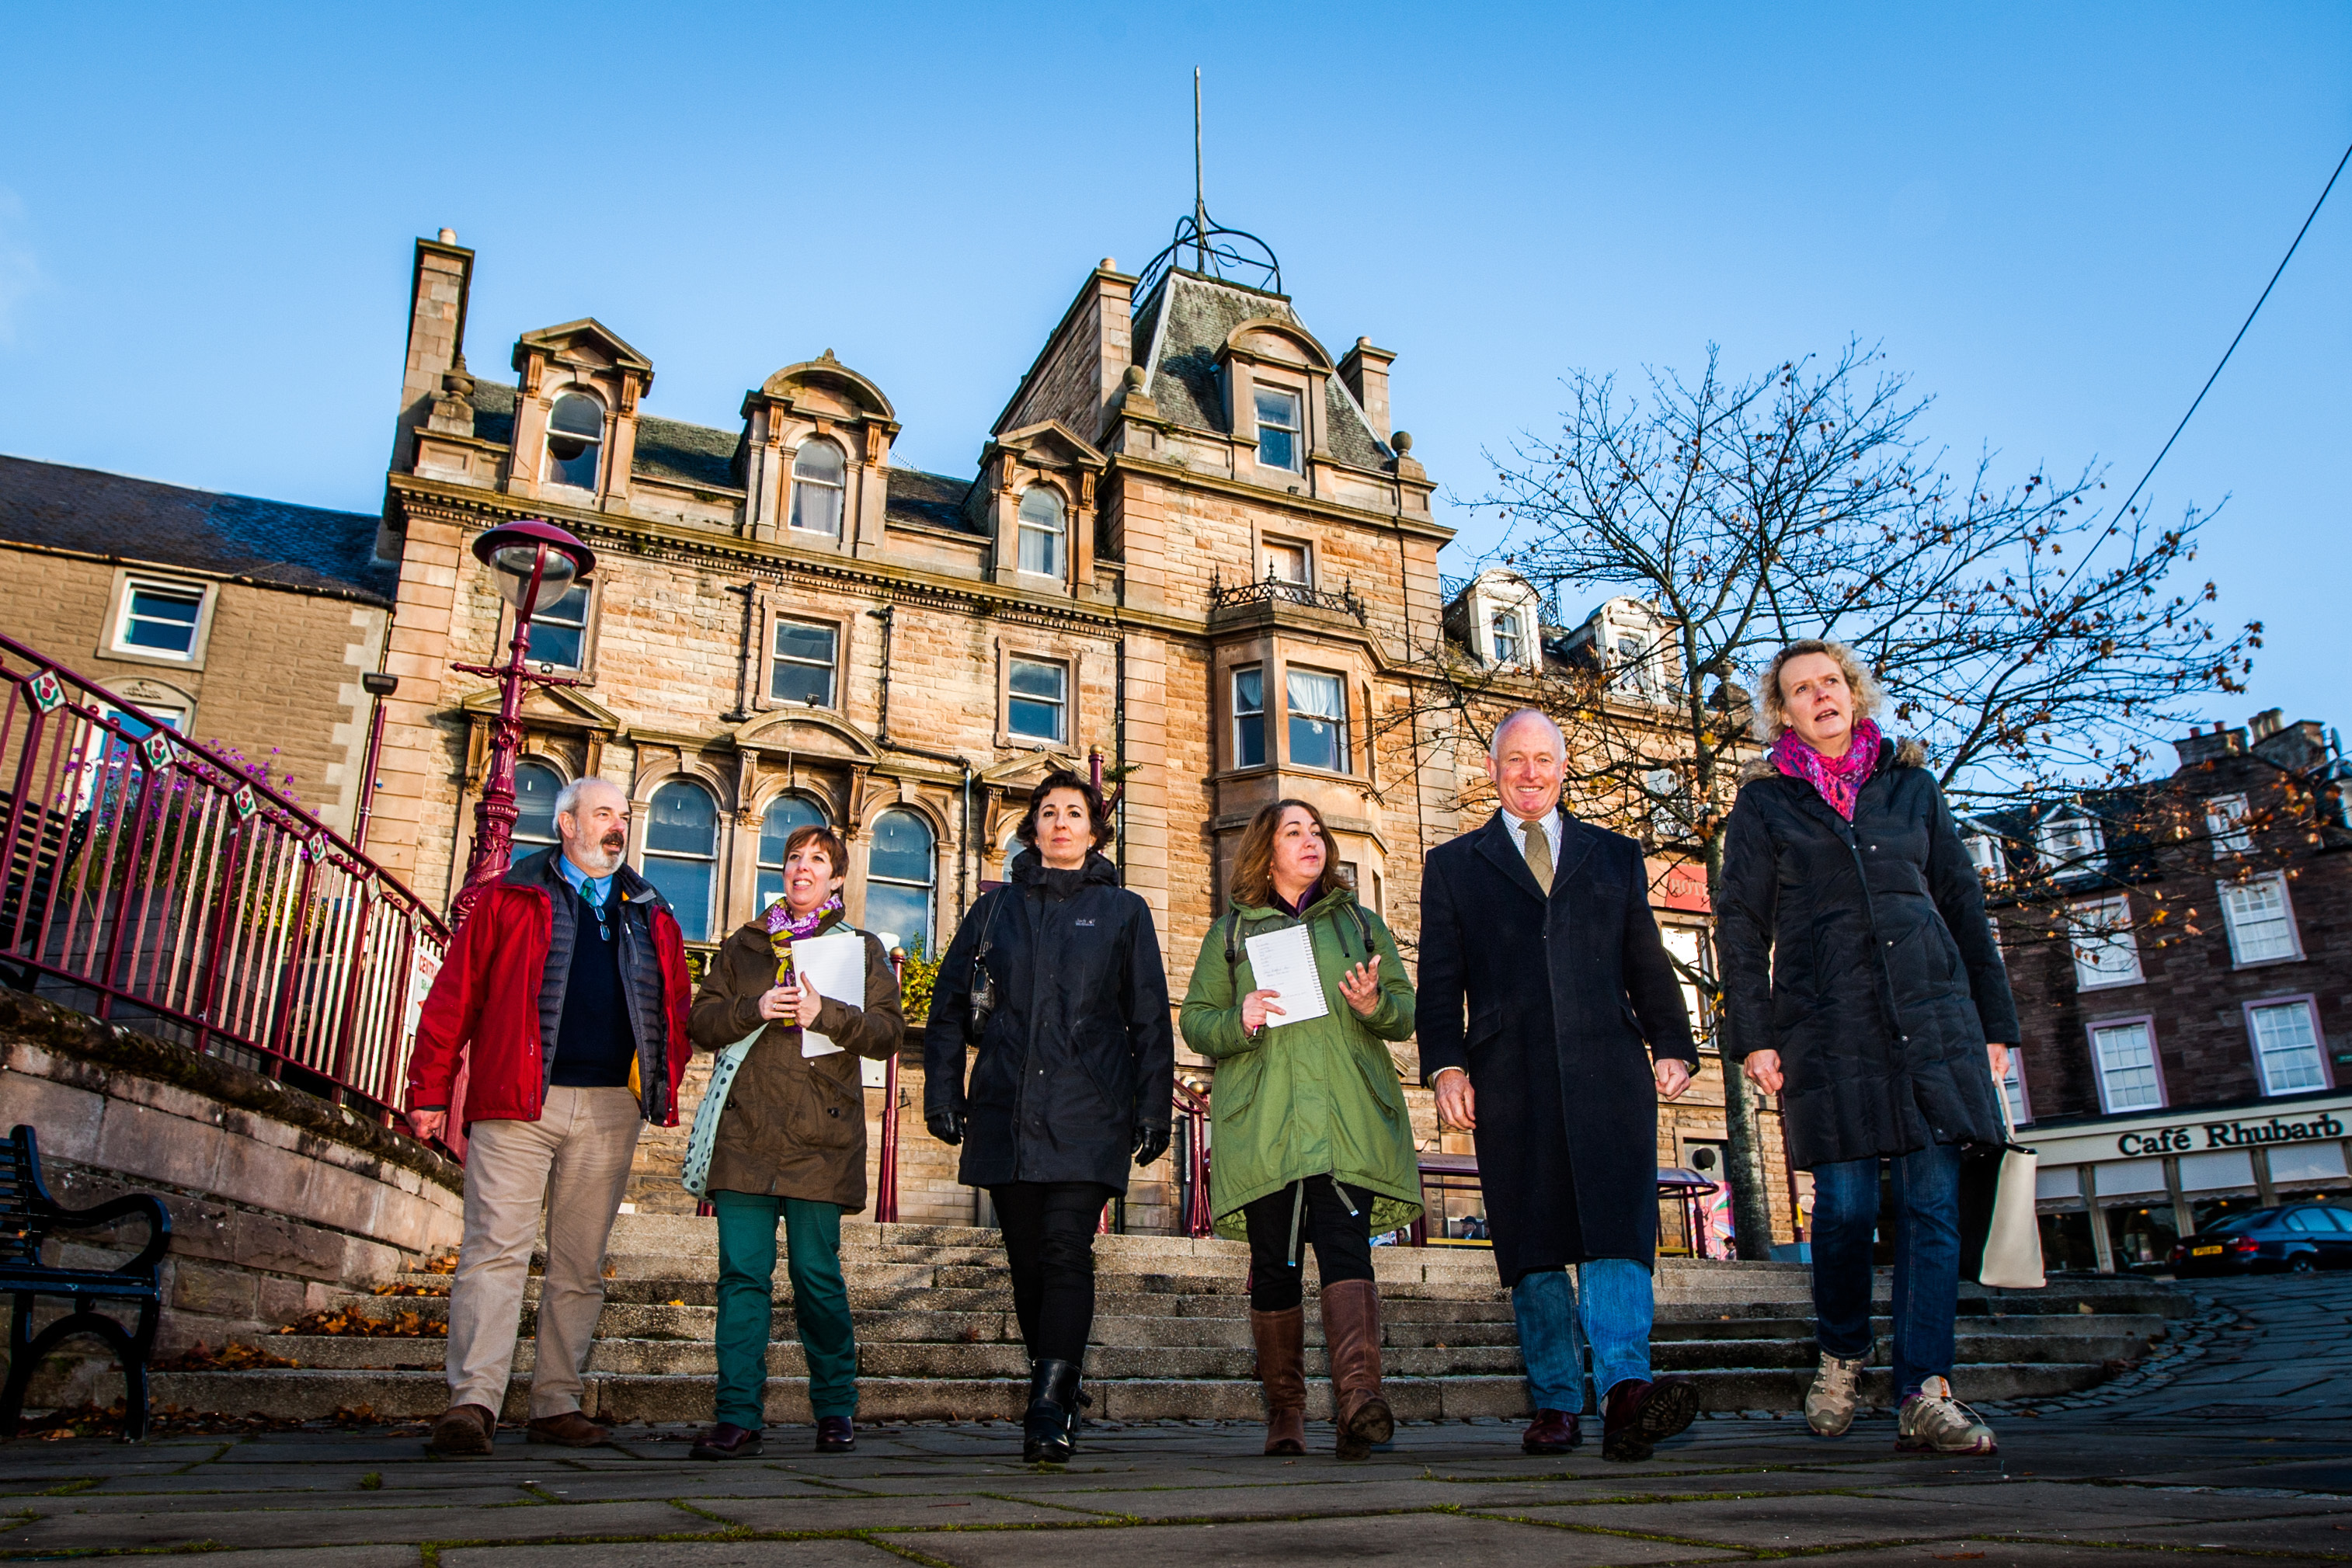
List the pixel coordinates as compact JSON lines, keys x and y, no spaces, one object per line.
{"x":1319,"y":719}
{"x":785,"y":815}
{"x":820,"y":479}
{"x":2286,"y":1047}
{"x":900,"y":869}
{"x":682,"y":853}
{"x":801,"y":662}
{"x":575,"y":440}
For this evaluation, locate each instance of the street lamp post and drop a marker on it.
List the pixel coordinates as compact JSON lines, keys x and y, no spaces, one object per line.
{"x":536,"y":564}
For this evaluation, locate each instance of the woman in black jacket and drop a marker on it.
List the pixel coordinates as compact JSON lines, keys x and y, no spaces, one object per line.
{"x":1864,"y":986}
{"x":1056,"y":977}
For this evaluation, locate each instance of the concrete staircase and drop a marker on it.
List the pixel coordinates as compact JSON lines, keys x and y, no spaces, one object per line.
{"x":938,"y":1340}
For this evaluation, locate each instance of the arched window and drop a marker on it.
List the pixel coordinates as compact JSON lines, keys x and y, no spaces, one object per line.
{"x":900,"y":871}
{"x":785,"y":815}
{"x":1041,"y":532}
{"x":575,"y":435}
{"x":819,"y":475}
{"x":536,"y":787}
{"x":682,"y":853}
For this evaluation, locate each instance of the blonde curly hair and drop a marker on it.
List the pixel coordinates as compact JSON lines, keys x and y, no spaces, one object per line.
{"x":1771,"y":704}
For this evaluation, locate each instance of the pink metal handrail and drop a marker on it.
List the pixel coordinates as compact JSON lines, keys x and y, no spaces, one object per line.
{"x":184,"y":894}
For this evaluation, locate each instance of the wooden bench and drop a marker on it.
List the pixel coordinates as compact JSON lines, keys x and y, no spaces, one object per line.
{"x":27,"y":1215}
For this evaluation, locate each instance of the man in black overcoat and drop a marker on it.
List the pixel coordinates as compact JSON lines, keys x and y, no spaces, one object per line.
{"x":1538,"y":927}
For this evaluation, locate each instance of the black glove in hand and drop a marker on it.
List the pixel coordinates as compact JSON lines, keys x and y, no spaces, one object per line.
{"x":1151,"y":1143}
{"x":945,"y":1125}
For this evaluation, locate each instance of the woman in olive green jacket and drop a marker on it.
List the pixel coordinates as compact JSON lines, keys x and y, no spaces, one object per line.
{"x":1311,"y":1141}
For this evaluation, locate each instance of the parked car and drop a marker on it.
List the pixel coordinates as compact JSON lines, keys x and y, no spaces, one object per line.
{"x":2297,"y":1236}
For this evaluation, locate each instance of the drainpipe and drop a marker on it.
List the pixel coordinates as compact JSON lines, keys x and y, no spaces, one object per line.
{"x":742,"y":711}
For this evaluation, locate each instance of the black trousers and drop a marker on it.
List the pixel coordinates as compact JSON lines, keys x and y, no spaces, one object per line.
{"x":1049,"y":1241}
{"x":1343,"y":1242}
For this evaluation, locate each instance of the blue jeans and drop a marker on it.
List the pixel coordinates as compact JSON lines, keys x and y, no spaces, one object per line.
{"x":1927,"y":1259}
{"x":1615,"y":1310}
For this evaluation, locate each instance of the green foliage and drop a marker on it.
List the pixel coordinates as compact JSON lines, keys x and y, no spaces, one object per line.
{"x":917,"y":975}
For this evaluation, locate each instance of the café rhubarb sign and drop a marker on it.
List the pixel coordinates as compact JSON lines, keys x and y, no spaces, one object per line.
{"x":2183,"y":1139}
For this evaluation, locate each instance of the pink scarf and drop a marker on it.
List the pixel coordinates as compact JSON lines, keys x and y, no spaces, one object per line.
{"x":1839,"y":779}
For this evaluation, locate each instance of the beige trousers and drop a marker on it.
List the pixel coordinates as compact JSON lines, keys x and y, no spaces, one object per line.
{"x":573,"y":1162}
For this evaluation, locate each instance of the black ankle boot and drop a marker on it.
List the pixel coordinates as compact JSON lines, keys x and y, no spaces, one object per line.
{"x":1049,"y":1431}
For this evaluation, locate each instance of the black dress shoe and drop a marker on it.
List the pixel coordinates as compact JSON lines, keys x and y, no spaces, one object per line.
{"x":1640,"y":1413}
{"x":1551,"y":1432}
{"x":835,"y":1434}
{"x":726,"y":1441}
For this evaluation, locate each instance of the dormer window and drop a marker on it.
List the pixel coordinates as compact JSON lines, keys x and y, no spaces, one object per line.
{"x":1984,"y":854}
{"x":1278,"y":428}
{"x":2070,"y":847}
{"x":1508,"y":634}
{"x":1041,"y":528}
{"x":575,"y":440}
{"x":2225,"y":824}
{"x":820,"y":476}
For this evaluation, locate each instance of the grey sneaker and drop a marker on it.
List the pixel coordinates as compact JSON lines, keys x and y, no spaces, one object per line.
{"x":1932,"y":1422}
{"x":1828,"y":1403}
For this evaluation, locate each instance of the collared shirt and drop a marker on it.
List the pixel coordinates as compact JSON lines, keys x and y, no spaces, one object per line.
{"x":1552,"y":825}
{"x":595,"y":889}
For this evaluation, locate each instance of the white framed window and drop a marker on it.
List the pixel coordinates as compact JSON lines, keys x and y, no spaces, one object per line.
{"x":575,"y":440}
{"x":820,"y":479}
{"x":558,"y":633}
{"x":116,"y":757}
{"x":1664,"y":790}
{"x":900,"y":871}
{"x":785,"y":815}
{"x":1984,"y":854}
{"x":801,"y":662}
{"x":1278,"y":428}
{"x":2012,"y":1089}
{"x":1042,"y":531}
{"x":536,"y":784}
{"x":682,"y":853}
{"x":1288,"y":560}
{"x":1687,"y":946}
{"x":2225,"y":824}
{"x":159,"y":619}
{"x":1506,"y":635}
{"x":2071,"y":845}
{"x":2260,"y":919}
{"x":1317,"y":701}
{"x":2124,"y":1054}
{"x":1249,"y":717}
{"x":1037,"y":699}
{"x":2287,"y":1046}
{"x":2105,"y":952}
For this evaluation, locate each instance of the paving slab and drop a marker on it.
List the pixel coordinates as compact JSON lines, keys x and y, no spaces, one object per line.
{"x":790,"y":1515}
{"x":2036,"y":1506}
{"x":338,"y":1527}
{"x":678,"y":1554}
{"x":1451,"y":1539}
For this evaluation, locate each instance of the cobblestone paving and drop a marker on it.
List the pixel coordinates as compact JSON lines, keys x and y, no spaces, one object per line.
{"x":2236,"y":1446}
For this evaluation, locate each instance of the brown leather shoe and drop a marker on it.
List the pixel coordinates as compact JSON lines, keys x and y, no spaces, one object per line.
{"x":726,"y":1441}
{"x":464,"y":1429}
{"x":1551,"y":1432}
{"x":837,"y":1434}
{"x":1281,"y":1340}
{"x":1641,"y":1414}
{"x":571,"y":1430}
{"x":1351,"y":1333}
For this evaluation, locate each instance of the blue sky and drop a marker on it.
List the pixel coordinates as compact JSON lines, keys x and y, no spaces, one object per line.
{"x":2053,"y":217}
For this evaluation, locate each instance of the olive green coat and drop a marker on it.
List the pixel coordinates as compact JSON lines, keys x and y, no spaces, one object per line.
{"x":1305,"y":1099}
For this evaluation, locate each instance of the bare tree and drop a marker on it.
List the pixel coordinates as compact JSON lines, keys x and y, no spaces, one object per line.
{"x":2034,"y":645}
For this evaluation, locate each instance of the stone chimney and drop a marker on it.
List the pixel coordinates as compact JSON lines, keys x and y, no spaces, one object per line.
{"x":2202,"y":745}
{"x":2297,"y":747}
{"x":443,"y":275}
{"x":1366,"y":370}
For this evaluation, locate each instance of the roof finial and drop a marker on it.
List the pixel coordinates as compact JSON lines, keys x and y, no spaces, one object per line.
{"x":1200,"y":196}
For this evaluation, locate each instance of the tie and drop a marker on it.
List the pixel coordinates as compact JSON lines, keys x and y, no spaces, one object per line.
{"x":1538,"y":851}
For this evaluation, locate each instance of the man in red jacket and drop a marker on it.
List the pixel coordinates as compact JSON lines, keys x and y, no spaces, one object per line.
{"x":570,"y":987}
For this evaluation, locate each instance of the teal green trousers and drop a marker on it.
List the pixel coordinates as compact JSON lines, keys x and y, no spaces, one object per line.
{"x":747,"y":1283}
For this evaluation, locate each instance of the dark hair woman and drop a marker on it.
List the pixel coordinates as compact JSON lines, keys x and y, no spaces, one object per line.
{"x":791,"y":1146}
{"x":1056,"y":977}
{"x":1313,"y":1141}
{"x":1864,"y":986}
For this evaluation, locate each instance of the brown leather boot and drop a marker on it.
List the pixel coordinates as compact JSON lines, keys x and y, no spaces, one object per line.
{"x":1281,"y":1338}
{"x":1352,"y":1329}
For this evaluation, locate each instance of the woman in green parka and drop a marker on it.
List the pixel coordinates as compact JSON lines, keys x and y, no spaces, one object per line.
{"x":1311,"y":1139}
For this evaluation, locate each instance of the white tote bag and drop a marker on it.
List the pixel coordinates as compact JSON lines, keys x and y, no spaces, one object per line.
{"x":696,"y":1175}
{"x":2012,"y":1249}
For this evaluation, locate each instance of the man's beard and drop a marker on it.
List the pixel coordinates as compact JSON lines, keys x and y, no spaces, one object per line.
{"x":598,"y":859}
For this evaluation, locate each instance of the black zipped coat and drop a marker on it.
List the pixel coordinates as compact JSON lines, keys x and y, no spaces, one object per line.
{"x":1080,"y":1052}
{"x":1860,"y":953}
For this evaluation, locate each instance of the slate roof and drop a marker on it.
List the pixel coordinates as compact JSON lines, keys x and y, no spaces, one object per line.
{"x":1182,"y":359}
{"x":104,"y":514}
{"x":933,"y":498}
{"x":687,"y":454}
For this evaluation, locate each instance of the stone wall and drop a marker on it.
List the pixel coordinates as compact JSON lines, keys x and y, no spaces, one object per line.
{"x":277,"y":1198}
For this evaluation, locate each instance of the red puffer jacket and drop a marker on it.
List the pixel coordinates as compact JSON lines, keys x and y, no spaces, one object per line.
{"x":487,"y":996}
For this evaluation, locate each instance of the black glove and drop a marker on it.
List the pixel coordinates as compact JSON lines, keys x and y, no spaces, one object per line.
{"x":945,"y":1125}
{"x":1151,"y":1143}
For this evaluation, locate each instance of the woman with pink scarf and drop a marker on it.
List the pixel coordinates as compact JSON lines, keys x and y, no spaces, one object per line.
{"x":1862,"y":985}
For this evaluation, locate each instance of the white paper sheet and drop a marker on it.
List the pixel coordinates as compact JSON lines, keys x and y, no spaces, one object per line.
{"x":1284,"y":961}
{"x":835,"y":964}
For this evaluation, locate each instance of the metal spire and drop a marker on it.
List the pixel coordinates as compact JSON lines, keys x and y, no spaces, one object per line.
{"x":1200,"y":197}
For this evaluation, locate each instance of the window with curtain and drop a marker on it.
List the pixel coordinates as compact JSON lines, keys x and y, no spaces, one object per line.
{"x":2286,"y":1047}
{"x":575,"y":439}
{"x":785,"y":815}
{"x":1319,"y":719}
{"x":900,"y":869}
{"x":1041,"y":531}
{"x":558,"y":633}
{"x":820,"y":479}
{"x":1249,"y":717}
{"x":1278,"y":428}
{"x":2105,"y":952}
{"x":2260,"y":920}
{"x":682,"y":853}
{"x":2126,"y":1054}
{"x":801,"y":670}
{"x":536,"y":787}
{"x":1509,"y":642}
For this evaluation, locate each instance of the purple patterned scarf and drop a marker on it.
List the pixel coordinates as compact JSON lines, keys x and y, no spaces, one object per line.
{"x":1839,"y":779}
{"x":784,"y":925}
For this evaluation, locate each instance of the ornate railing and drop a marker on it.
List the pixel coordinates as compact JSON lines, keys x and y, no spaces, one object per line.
{"x":1190,"y":1148}
{"x":1275,"y":591}
{"x":159,"y":883}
